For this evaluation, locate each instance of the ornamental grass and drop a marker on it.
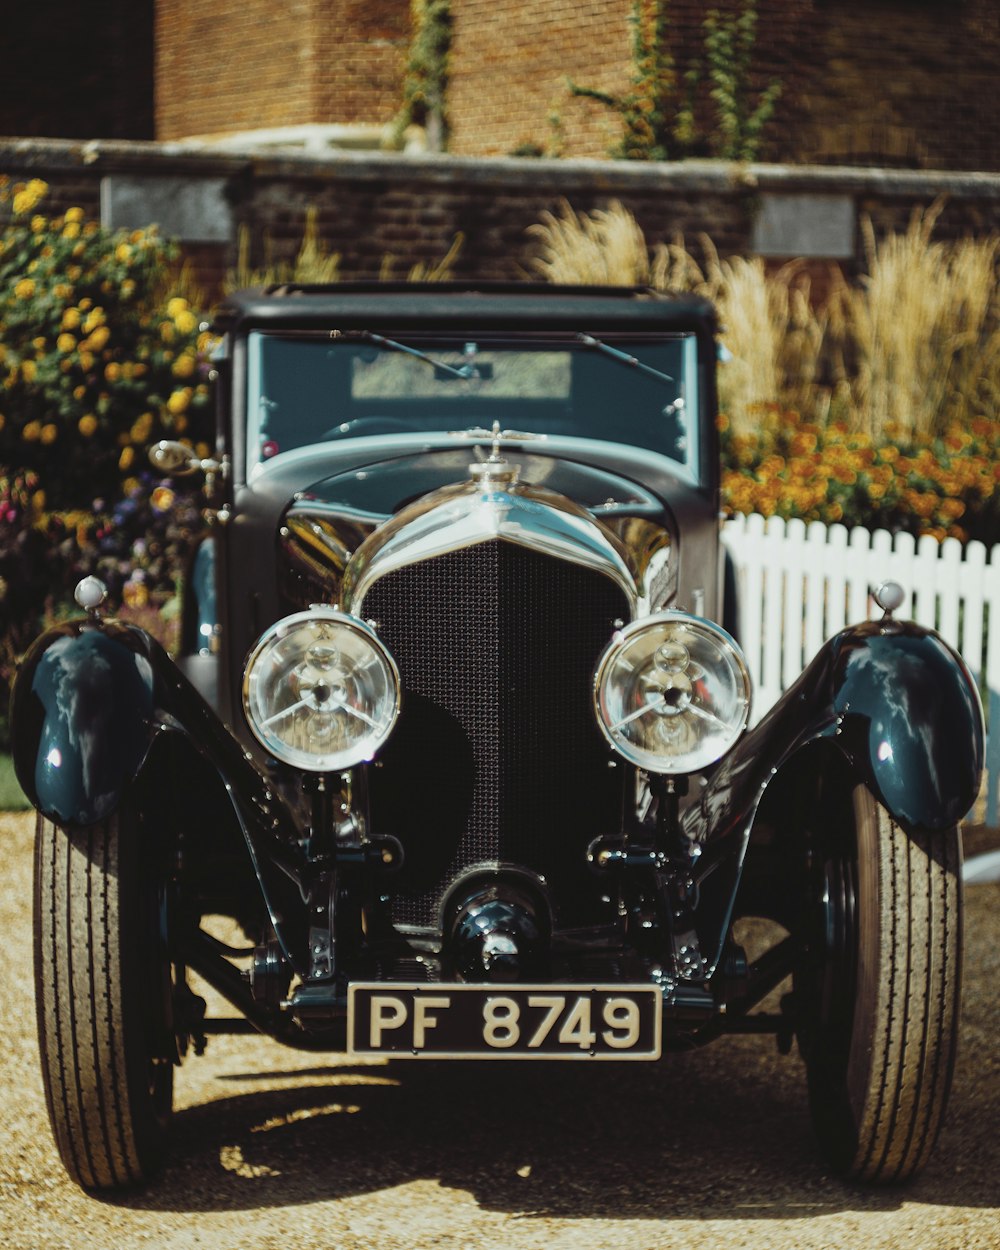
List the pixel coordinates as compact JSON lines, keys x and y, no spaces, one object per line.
{"x":876,"y":408}
{"x":908,"y":353}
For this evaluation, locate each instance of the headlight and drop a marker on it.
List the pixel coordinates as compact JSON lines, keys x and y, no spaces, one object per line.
{"x":321,"y":691}
{"x":672,"y":693}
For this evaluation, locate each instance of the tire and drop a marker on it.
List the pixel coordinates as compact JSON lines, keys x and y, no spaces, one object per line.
{"x":882,"y":1023}
{"x":102,"y":986}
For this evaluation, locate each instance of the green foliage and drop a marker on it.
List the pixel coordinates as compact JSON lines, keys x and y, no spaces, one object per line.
{"x":11,"y":796}
{"x":312,"y":264}
{"x":425,"y":87}
{"x":729,"y":46}
{"x":660,"y":111}
{"x":647,"y":108}
{"x":96,"y":360}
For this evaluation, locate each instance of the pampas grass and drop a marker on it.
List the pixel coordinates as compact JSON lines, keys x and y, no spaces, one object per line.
{"x":919,"y":339}
{"x":907,"y":352}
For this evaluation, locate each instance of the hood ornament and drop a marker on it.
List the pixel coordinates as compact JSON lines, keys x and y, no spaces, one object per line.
{"x":494,"y":473}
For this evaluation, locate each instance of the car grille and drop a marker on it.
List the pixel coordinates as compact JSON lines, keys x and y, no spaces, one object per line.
{"x":496,"y":756}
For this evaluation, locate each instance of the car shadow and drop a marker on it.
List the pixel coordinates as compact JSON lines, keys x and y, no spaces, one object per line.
{"x":716,"y":1134}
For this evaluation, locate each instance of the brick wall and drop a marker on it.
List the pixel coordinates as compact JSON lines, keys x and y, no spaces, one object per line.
{"x":361,"y":56}
{"x":236,"y":64}
{"x":409,"y":209}
{"x":909,"y":83}
{"x":252,"y":64}
{"x":904,"y":83}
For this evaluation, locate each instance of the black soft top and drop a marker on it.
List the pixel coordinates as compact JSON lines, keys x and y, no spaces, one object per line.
{"x":446,"y":305}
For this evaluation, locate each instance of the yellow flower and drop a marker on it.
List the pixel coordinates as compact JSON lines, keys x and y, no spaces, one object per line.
{"x":131,"y":485}
{"x":28,"y":370}
{"x":31,"y":431}
{"x":65,"y":342}
{"x":176,"y":306}
{"x":86,"y":361}
{"x":87,"y":424}
{"x":162,"y":498}
{"x":73,"y":272}
{"x":62,"y":291}
{"x":79,"y":392}
{"x":186,"y":322}
{"x":38,"y":499}
{"x":38,"y":224}
{"x":141,"y":428}
{"x":26,"y":198}
{"x":95,"y":317}
{"x":74,"y":214}
{"x":99,"y":338}
{"x":179,"y":401}
{"x":167,"y":331}
{"x":123,"y":251}
{"x":112,"y":371}
{"x":39,"y":343}
{"x":126,"y":458}
{"x":135,"y":594}
{"x":127,"y":288}
{"x":183,"y":366}
{"x":71,"y":230}
{"x":24,"y":289}
{"x":85,"y":304}
{"x":50,"y":432}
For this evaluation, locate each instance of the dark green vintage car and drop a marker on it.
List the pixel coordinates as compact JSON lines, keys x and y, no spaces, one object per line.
{"x":458,"y":740}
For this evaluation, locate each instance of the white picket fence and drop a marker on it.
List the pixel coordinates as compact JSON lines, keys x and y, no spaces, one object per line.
{"x":799,"y":583}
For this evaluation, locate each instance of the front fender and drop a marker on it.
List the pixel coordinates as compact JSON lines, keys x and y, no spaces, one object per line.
{"x":900,"y":706}
{"x":82,"y":716}
{"x":89,"y":700}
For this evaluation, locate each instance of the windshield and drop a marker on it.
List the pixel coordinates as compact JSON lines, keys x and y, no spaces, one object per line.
{"x":640,"y":390}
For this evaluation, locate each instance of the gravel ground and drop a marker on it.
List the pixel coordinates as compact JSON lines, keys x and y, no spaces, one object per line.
{"x":278,"y":1148}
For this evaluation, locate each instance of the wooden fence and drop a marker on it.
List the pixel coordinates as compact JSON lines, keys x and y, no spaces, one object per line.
{"x":799,"y":583}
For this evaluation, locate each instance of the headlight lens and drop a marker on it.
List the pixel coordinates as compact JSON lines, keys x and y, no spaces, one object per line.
{"x":672,"y":693}
{"x":321,"y":691}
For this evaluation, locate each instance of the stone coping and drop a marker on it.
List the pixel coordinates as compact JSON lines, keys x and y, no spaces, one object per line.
{"x":27,"y":156}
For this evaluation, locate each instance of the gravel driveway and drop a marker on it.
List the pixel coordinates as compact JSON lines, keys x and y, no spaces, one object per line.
{"x":279,"y":1148}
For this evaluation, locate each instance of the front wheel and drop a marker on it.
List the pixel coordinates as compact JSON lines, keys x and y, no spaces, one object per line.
{"x":102,"y":984}
{"x":879,"y":992}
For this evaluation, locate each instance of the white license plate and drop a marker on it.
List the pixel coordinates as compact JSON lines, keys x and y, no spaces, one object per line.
{"x":457,"y":1021}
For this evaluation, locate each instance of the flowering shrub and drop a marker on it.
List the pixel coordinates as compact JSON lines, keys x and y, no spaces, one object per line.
{"x":948,"y":486}
{"x":137,"y":545}
{"x":98,"y":360}
{"x":95,"y":362}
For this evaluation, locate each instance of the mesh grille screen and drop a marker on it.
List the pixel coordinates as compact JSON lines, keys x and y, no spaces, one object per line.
{"x":496,"y":755}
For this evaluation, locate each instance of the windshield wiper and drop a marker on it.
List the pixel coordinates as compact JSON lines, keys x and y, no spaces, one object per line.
{"x":588,"y":340}
{"x":466,"y":372}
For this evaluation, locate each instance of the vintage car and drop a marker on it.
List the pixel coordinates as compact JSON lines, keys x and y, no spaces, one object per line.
{"x":458,"y":741}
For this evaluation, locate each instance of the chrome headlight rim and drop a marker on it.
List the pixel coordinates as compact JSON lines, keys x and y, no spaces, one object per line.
{"x":732,"y":656}
{"x":335,"y":760}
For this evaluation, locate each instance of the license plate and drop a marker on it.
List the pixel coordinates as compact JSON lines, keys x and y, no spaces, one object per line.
{"x":454,"y":1021}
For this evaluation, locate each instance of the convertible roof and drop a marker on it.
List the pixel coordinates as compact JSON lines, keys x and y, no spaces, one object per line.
{"x":444,"y":305}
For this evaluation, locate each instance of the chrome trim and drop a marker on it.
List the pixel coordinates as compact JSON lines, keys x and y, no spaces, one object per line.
{"x":482,"y":511}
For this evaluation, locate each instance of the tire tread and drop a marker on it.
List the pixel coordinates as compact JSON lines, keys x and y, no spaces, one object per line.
{"x":915,"y":980}
{"x":81,"y":988}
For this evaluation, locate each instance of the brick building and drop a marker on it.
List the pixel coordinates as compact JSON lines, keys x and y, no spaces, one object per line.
{"x":903,"y":83}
